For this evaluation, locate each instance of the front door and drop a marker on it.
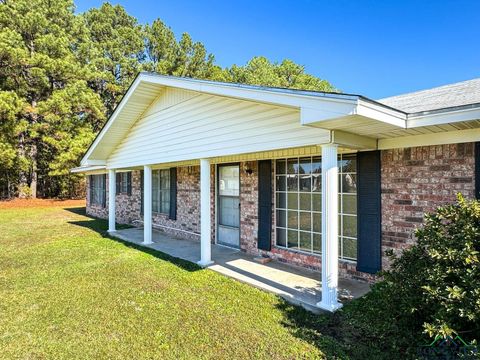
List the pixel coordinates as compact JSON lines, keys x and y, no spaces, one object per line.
{"x":229,"y":205}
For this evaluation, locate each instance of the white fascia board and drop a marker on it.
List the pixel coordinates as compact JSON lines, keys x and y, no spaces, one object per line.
{"x":329,"y":111}
{"x":88,"y":169}
{"x":381,"y":113}
{"x":444,"y":117}
{"x":110,"y":121}
{"x":441,"y":138}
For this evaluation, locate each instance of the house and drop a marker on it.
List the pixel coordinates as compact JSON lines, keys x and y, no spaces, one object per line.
{"x":322,"y":180}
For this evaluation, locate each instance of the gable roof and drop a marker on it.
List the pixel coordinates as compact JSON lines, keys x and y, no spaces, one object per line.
{"x":447,"y":96}
{"x":313,"y":106}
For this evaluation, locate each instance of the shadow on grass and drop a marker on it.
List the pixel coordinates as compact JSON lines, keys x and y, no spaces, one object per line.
{"x":100,"y":226}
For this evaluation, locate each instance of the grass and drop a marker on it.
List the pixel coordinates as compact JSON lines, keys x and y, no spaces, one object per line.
{"x":67,"y":290}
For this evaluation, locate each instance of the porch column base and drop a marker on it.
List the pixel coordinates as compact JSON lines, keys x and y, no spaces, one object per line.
{"x":205,"y":264}
{"x":329,"y":307}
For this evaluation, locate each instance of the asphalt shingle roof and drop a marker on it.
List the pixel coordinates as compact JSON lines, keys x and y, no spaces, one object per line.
{"x":451,"y":95}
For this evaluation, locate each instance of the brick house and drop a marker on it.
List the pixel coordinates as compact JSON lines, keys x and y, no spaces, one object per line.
{"x":307,"y":178}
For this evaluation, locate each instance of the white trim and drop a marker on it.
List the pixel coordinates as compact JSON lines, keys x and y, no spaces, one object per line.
{"x":111,"y":120}
{"x":444,"y":117}
{"x":89,"y":169}
{"x":451,"y":137}
{"x":147,"y":205}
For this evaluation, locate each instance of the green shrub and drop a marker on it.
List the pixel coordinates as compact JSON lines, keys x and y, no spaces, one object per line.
{"x":432,"y":289}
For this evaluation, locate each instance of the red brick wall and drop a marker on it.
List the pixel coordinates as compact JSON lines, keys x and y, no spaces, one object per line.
{"x":414,"y":181}
{"x":417,"y":180}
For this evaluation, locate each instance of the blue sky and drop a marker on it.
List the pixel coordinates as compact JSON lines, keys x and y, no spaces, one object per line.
{"x":374,"y":48}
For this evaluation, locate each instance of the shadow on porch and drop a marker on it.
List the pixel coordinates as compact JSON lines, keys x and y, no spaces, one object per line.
{"x":296,"y":285}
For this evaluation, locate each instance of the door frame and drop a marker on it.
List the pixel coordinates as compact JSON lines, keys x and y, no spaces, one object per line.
{"x":217,"y":208}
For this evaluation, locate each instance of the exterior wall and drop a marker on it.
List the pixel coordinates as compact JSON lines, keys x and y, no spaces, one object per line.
{"x":195,"y":126}
{"x":414,"y":181}
{"x":417,"y":180}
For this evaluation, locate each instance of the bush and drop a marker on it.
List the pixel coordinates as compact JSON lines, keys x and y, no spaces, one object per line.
{"x":432,"y":289}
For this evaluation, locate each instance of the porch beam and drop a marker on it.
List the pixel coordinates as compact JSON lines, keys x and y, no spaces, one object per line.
{"x":147,"y":204}
{"x":205,"y":213}
{"x":112,"y":191}
{"x":353,"y":141}
{"x":329,"y":300}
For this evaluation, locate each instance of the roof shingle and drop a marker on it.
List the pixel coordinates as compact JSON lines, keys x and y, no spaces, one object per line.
{"x":451,"y":95}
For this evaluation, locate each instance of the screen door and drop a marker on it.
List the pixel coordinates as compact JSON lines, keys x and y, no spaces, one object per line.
{"x":229,"y":205}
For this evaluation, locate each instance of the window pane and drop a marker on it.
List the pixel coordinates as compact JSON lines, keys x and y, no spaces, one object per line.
{"x":317,"y":243}
{"x":317,"y":202}
{"x":305,"y":221}
{"x":305,"y":201}
{"x":292,"y":220}
{"x":317,"y":222}
{"x":292,"y":182}
{"x":305,"y":183}
{"x":348,"y":164}
{"x":292,"y":200}
{"x":317,"y":182}
{"x":292,"y":166}
{"x":229,"y":214}
{"x":349,"y":204}
{"x":306,"y":241}
{"x":282,"y":200}
{"x":349,"y":183}
{"x":305,"y":166}
{"x":281,"y":218}
{"x":350,"y":248}
{"x":280,"y":167}
{"x":293,"y":239}
{"x":281,"y":237}
{"x":316,"y":165}
{"x":229,"y":181}
{"x":281,"y":183}
{"x":350,"y":226}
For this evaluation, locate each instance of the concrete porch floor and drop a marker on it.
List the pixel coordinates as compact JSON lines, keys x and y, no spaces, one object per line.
{"x":296,"y":285}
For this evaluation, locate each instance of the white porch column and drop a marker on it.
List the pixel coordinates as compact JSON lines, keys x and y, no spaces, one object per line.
{"x":205,"y":213}
{"x":112,"y":190}
{"x":329,"y":228}
{"x":147,"y":204}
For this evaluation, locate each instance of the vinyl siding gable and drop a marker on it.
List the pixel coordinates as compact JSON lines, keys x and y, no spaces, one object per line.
{"x":184,"y":125}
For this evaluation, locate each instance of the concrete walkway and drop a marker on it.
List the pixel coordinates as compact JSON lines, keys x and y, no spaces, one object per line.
{"x":296,"y":285}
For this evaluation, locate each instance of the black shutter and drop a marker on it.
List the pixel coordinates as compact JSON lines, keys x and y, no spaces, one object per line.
{"x":90,"y":185}
{"x":141,"y":191}
{"x":104,"y":190}
{"x":129,"y":183}
{"x":118,"y":180}
{"x":477,"y":170}
{"x":173,"y":194}
{"x":369,"y":217}
{"x":265,"y":204}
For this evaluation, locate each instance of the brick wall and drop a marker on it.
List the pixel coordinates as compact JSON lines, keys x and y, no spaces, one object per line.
{"x":414,"y":181}
{"x":417,"y":180}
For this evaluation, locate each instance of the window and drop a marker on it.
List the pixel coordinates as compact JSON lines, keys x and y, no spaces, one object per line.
{"x":123,"y":182}
{"x":97,"y":190}
{"x":161,"y":191}
{"x":298,"y":205}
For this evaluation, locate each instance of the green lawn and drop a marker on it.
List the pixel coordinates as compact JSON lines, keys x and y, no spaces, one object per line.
{"x":69,"y":291}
